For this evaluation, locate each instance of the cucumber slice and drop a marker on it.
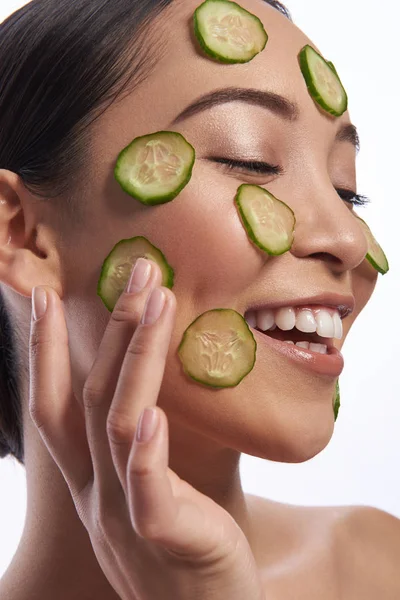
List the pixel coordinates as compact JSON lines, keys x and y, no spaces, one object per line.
{"x":336,"y":400}
{"x":332,"y":66}
{"x":227,"y":32}
{"x":155,"y":168}
{"x":323,"y":81}
{"x":119,"y":263}
{"x":268,"y":221}
{"x":218,"y":349}
{"x":375,"y":254}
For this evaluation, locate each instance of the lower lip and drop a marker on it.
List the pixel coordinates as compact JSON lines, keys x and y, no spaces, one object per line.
{"x":331,"y":364}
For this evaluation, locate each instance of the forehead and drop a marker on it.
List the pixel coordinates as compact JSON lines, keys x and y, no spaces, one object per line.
{"x":184,"y":72}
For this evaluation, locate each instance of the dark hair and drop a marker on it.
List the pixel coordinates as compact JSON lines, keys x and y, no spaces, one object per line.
{"x":62,"y":63}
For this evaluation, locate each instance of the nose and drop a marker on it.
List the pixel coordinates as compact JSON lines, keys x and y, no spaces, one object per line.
{"x":327,"y":230}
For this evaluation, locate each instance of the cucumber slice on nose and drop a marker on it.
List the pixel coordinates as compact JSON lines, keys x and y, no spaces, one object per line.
{"x":269,"y":222}
{"x":155,"y":168}
{"x":375,"y":254}
{"x":323,"y":82}
{"x":218,"y":348}
{"x":118,"y":265}
{"x":227,"y":32}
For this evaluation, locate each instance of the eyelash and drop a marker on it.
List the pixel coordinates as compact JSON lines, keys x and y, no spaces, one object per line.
{"x":263,"y":168}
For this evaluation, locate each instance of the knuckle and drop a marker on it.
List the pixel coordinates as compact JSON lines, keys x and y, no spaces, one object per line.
{"x":119,"y":430}
{"x":39,"y":338}
{"x":125,"y":310}
{"x":91,"y":395}
{"x":140,"y":345}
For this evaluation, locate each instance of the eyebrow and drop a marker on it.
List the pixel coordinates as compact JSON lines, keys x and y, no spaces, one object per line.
{"x":277,"y":104}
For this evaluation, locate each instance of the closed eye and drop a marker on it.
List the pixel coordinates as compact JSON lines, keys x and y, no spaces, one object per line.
{"x":263,"y":168}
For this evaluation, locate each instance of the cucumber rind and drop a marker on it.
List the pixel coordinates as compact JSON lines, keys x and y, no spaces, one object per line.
{"x":336,"y":405}
{"x":309,"y":79}
{"x":384,"y":268}
{"x":185,"y":335}
{"x":168,"y":279}
{"x":135,"y":192}
{"x":215,"y":55}
{"x":249,"y":228}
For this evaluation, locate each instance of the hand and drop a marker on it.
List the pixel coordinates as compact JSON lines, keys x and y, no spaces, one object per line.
{"x":154,"y":535}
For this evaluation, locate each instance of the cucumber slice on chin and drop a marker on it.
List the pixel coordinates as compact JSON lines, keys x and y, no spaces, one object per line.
{"x":336,"y":400}
{"x":269,"y":222}
{"x":155,"y":168}
{"x":323,"y":82}
{"x":118,"y":265}
{"x":227,"y":32}
{"x":375,"y":254}
{"x":218,"y":348}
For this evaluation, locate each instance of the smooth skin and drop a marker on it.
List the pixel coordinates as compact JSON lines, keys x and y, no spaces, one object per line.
{"x":280,"y":411}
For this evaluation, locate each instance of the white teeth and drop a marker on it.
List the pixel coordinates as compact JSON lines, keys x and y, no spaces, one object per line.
{"x":337,"y":321}
{"x":265,"y":319}
{"x":305,"y":345}
{"x":285,"y":318}
{"x":325,"y":325}
{"x":321,"y":348}
{"x":305,"y":321}
{"x":289,"y":342}
{"x":251,"y":318}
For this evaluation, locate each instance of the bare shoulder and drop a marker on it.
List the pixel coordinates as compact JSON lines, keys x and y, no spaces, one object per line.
{"x":368,"y":542}
{"x":349,"y":552}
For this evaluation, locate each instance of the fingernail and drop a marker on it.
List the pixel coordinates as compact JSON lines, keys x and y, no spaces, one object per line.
{"x":39,"y":303}
{"x":147,"y":425}
{"x":140,"y":276}
{"x":155,"y":304}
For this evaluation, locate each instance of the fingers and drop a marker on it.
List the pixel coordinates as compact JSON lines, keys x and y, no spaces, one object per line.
{"x":100,"y":385}
{"x":140,"y":381}
{"x":52,"y":404}
{"x":151,"y":501}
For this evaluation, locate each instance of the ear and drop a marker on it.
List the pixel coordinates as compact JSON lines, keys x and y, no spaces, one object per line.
{"x":28,"y":254}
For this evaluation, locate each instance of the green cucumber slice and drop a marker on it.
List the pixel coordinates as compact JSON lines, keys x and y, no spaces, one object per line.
{"x":155,"y":168}
{"x":332,"y":66}
{"x":323,"y":82}
{"x":227,"y":32}
{"x":118,"y":265}
{"x":269,"y":222}
{"x":375,"y":254}
{"x":336,"y":400}
{"x":218,"y":348}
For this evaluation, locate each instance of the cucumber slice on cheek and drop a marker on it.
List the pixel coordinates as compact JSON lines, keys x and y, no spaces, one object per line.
{"x":323,"y":82}
{"x":118,"y":265}
{"x":155,"y":168}
{"x":336,"y":400}
{"x":375,"y":254}
{"x":218,"y":349}
{"x":269,"y":222}
{"x":227,"y":32}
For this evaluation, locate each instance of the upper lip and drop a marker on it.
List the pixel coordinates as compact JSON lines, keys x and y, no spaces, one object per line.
{"x":344,"y":304}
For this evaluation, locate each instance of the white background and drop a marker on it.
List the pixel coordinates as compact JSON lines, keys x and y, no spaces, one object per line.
{"x":361,"y":464}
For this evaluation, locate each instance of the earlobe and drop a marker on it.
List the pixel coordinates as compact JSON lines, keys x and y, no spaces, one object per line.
{"x":23,"y":265}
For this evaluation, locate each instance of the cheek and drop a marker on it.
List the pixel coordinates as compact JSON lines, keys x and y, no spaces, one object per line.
{"x":206,"y":243}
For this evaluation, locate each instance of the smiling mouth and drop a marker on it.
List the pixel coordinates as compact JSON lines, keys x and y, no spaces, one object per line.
{"x":294,"y":335}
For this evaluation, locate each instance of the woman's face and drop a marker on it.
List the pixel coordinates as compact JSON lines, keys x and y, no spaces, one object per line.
{"x":282,"y":410}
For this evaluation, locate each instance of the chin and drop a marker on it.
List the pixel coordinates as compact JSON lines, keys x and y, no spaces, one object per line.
{"x":295,"y":435}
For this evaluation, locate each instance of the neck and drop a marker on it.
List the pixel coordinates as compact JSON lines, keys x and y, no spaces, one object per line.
{"x":55,"y":557}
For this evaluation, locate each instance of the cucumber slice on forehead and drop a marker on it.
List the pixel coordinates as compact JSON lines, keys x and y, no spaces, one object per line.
{"x":336,"y":400}
{"x":118,"y":265}
{"x":375,"y":254}
{"x":155,"y":168}
{"x":323,"y":82}
{"x":227,"y":32}
{"x":269,"y":222}
{"x":218,"y":348}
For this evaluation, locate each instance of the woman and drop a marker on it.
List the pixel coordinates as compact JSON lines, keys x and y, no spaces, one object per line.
{"x":80,"y":80}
